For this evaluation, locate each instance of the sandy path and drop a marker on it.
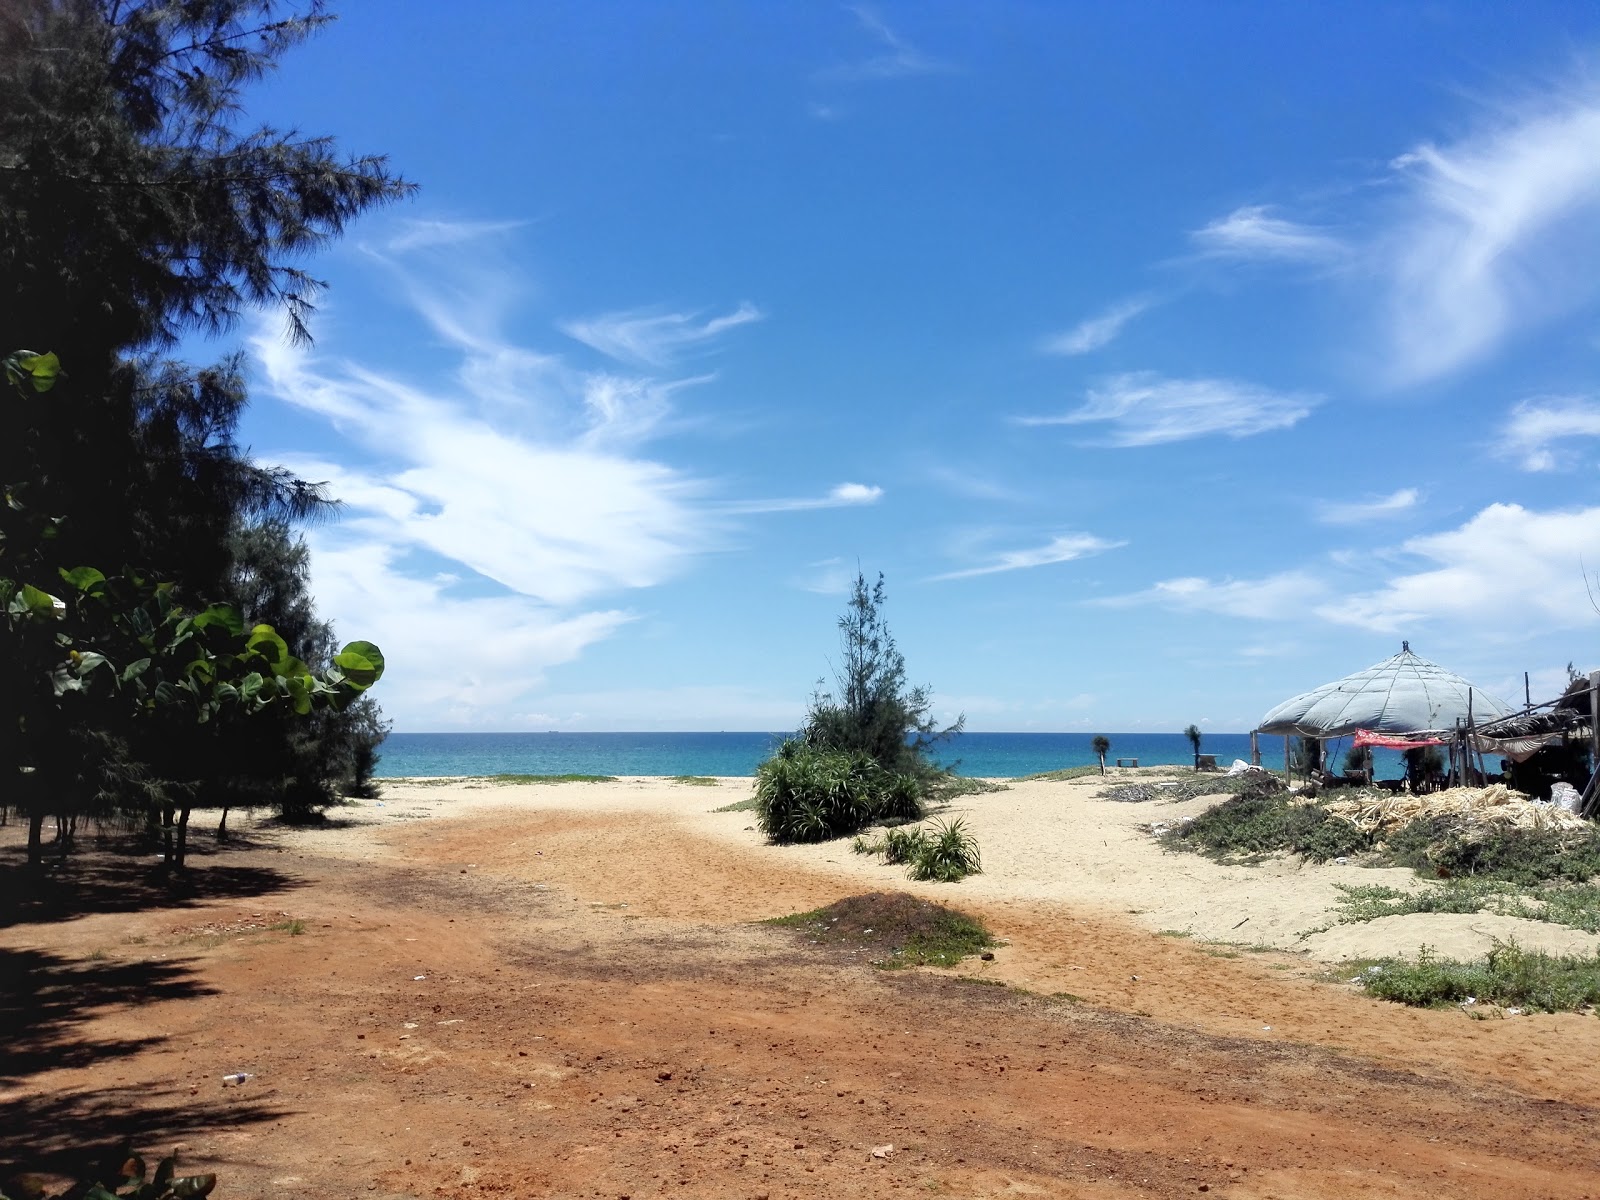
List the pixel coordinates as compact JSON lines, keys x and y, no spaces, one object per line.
{"x":561,"y":1044}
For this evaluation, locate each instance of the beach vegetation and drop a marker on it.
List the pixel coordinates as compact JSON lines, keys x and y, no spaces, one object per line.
{"x":1101,"y":746}
{"x":872,"y":708}
{"x":748,"y":804}
{"x":1263,"y":819}
{"x":569,"y":778}
{"x":694,"y":780}
{"x":943,"y":852}
{"x":903,"y":930}
{"x":805,"y":793}
{"x":1508,"y":977}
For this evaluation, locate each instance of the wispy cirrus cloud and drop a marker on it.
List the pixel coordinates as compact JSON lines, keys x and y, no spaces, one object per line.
{"x":1145,"y":409}
{"x":844,"y":495}
{"x":1355,"y":512}
{"x":655,"y":339}
{"x":1508,"y":567}
{"x":1493,"y":232}
{"x":425,"y":234}
{"x":1063,"y":547}
{"x":828,"y":577}
{"x":1285,"y":595}
{"x":1097,"y":331}
{"x":896,"y":58}
{"x":1539,"y":432}
{"x":1252,"y":232}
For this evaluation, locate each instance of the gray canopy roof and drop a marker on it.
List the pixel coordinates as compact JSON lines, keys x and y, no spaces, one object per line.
{"x":1403,"y":694}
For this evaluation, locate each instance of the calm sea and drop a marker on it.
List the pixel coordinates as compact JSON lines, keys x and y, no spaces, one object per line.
{"x":985,"y":754}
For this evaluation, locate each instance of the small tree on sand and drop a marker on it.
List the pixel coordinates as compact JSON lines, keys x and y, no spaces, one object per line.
{"x":1101,"y":745}
{"x":1193,"y":734}
{"x":872,"y":709}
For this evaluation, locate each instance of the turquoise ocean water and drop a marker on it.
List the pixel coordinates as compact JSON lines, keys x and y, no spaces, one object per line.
{"x":975,"y":754}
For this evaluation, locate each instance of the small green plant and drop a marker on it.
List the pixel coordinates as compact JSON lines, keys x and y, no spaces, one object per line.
{"x":122,"y":1176}
{"x":294,"y":927}
{"x":948,"y":853}
{"x":1509,"y":976}
{"x":694,"y":780}
{"x":748,"y":804}
{"x":1257,"y":822}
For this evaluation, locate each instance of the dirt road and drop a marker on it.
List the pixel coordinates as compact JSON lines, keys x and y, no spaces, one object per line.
{"x":576,"y":1004}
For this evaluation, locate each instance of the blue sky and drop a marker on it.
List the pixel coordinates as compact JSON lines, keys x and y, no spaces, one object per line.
{"x":1168,"y":359}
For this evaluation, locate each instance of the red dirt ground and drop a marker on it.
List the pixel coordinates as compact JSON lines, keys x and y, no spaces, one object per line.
{"x":549,"y":1004}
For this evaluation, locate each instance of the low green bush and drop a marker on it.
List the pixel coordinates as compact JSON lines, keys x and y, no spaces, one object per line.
{"x":947,"y":853}
{"x":123,"y":1175}
{"x":1254,"y":823}
{"x":1509,"y":976}
{"x":1447,"y":845}
{"x":808,"y":794}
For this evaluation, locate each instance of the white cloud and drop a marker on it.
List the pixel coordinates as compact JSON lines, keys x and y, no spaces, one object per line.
{"x":1097,"y":331}
{"x":1539,"y":432}
{"x":1495,"y":231}
{"x":829,"y":577}
{"x":1285,"y":596}
{"x":1064,"y":547}
{"x":655,"y":339}
{"x":1508,"y":568}
{"x":897,"y":58}
{"x":453,"y":660}
{"x":1253,"y":233}
{"x":844,"y":495}
{"x":1145,"y":409}
{"x":1354,"y":512}
{"x":430,"y":234}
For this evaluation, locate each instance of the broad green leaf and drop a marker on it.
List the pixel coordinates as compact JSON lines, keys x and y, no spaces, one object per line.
{"x":299,"y":689}
{"x":135,"y":669}
{"x":41,"y":370}
{"x":223,"y":615}
{"x":64,"y":680}
{"x":88,"y":660}
{"x":98,"y":1192}
{"x":40,"y":603}
{"x":361,"y":664}
{"x":165,"y":1169}
{"x":192,"y":1186}
{"x":85,"y":579}
{"x":250,"y":686}
{"x":264,"y":640}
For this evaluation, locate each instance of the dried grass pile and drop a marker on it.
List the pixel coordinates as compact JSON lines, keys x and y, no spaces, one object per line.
{"x":1487,"y":808}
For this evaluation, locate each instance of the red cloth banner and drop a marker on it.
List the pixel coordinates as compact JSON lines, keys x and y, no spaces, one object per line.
{"x":1365,"y":737}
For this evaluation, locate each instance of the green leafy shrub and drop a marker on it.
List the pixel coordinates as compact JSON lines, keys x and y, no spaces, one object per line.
{"x":908,"y":930}
{"x":807,"y":794}
{"x":123,"y":1175}
{"x":1449,"y":846}
{"x":1254,"y":823}
{"x":1508,"y":976}
{"x":947,"y":853}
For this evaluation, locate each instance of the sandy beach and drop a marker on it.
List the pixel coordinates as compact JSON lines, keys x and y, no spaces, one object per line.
{"x":466,"y":989}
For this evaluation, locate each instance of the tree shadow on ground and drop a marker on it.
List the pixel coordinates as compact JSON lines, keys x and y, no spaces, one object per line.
{"x":47,"y":1005}
{"x":127,"y":878}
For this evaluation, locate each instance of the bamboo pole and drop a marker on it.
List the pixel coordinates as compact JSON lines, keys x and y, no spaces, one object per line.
{"x":1255,"y":749}
{"x":1288,"y":769}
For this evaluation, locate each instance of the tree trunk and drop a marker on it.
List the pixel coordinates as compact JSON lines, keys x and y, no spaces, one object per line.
{"x":1102,"y":764}
{"x":35,"y":838}
{"x":183,"y":834}
{"x":222,"y":826}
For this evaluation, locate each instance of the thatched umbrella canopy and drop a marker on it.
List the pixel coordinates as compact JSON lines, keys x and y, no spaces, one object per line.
{"x":1403,"y":694}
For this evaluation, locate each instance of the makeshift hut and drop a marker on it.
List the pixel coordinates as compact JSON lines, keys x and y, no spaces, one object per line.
{"x":1402,"y":702}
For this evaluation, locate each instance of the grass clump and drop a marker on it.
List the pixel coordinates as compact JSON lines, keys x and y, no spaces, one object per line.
{"x":748,"y":804}
{"x":944,"y":852}
{"x":1573,"y":905}
{"x":1450,"y":847}
{"x":1509,"y":976}
{"x":693,"y":780}
{"x":907,"y":930}
{"x":294,"y":927}
{"x":1257,"y":822}
{"x":952,"y":786}
{"x":552,"y":778}
{"x":807,"y":794}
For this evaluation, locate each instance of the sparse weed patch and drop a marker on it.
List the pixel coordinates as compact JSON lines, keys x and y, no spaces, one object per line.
{"x":1254,"y":823}
{"x":1450,"y":847}
{"x":694,"y":780}
{"x":294,"y":927}
{"x":911,"y":932}
{"x":1509,"y":976}
{"x":551,"y":778}
{"x":748,"y":804}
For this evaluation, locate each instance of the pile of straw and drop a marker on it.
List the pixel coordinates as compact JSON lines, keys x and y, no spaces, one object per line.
{"x":1495,"y":806}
